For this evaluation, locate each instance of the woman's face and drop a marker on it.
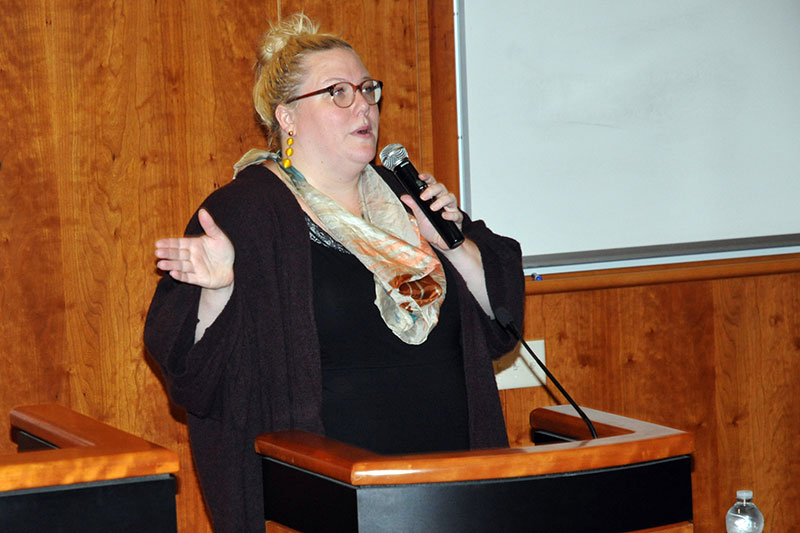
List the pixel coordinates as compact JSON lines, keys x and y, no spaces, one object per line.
{"x":335,"y":137}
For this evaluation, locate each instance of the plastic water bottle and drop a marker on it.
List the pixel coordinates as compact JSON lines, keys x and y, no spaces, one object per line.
{"x":744,"y":516}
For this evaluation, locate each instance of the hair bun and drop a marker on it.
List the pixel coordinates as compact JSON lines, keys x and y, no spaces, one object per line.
{"x":280,"y":69}
{"x":279,"y":34}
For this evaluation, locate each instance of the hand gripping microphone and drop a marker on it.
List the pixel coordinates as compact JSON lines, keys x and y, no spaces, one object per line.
{"x":395,"y":158}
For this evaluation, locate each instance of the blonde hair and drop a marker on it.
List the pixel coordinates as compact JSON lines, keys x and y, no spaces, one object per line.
{"x":280,"y":68}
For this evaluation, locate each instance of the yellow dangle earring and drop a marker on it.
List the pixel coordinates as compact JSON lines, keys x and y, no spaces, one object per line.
{"x":289,"y":151}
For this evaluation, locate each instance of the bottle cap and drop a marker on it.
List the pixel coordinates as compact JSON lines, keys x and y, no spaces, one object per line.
{"x":744,"y":494}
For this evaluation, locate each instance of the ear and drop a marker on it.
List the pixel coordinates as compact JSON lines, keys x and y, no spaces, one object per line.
{"x":285,"y":117}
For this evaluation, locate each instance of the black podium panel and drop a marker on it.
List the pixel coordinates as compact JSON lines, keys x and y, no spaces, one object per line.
{"x":130,"y":505}
{"x":624,"y":498}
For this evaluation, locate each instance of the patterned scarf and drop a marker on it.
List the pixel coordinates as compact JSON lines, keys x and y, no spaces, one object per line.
{"x":409,"y":279}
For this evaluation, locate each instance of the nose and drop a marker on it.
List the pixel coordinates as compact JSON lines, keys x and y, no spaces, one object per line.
{"x":360,"y":103}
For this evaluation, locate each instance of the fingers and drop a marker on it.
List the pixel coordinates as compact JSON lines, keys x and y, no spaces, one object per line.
{"x":412,"y":204}
{"x":175,"y":249}
{"x":170,"y":265}
{"x":181,"y":276}
{"x":443,"y":199}
{"x":169,"y":244}
{"x":210,"y":227}
{"x":176,"y":255}
{"x":205,"y":260}
{"x":436,"y":190}
{"x":184,"y":249}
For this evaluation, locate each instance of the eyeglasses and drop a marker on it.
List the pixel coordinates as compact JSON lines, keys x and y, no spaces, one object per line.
{"x":343,"y":93}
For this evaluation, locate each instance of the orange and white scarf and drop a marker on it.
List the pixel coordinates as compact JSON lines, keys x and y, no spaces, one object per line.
{"x":410,"y":283}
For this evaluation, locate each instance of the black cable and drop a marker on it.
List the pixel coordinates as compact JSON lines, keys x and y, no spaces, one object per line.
{"x":507,"y":321}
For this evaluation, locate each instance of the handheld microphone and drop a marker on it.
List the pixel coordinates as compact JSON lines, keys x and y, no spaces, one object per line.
{"x":395,"y":158}
{"x":505,"y":319}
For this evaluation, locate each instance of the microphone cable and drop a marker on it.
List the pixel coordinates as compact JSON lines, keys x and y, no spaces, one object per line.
{"x":505,"y":319}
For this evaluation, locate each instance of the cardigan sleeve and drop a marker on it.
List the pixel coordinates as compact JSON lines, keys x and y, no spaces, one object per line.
{"x":223,"y":363}
{"x":505,"y":282}
{"x":192,"y":370}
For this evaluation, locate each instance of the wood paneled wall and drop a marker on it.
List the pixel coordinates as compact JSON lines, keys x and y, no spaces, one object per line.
{"x":120,"y":117}
{"x":719,"y":358}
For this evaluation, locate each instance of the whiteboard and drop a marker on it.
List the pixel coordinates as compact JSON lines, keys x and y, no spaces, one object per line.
{"x":606,"y":131}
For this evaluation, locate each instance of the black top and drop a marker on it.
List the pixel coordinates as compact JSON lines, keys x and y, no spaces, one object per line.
{"x":378,"y":392}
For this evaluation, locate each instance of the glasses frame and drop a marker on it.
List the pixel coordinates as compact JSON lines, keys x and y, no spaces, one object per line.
{"x":329,"y":89}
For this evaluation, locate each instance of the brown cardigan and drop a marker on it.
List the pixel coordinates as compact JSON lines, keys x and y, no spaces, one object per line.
{"x":257,"y":367}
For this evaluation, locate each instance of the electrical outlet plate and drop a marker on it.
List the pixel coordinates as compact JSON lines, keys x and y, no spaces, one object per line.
{"x":517,"y":369}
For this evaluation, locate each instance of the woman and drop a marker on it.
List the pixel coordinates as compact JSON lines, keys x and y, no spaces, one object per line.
{"x":304,"y":295}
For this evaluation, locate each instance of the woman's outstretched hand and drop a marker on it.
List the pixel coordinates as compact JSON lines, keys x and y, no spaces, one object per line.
{"x":204,"y":260}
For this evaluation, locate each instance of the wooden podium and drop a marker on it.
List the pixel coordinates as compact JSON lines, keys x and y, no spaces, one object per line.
{"x":635,"y":476}
{"x":75,"y":473}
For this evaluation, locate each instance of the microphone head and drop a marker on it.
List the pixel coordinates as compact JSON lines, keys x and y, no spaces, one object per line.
{"x":392,"y":155}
